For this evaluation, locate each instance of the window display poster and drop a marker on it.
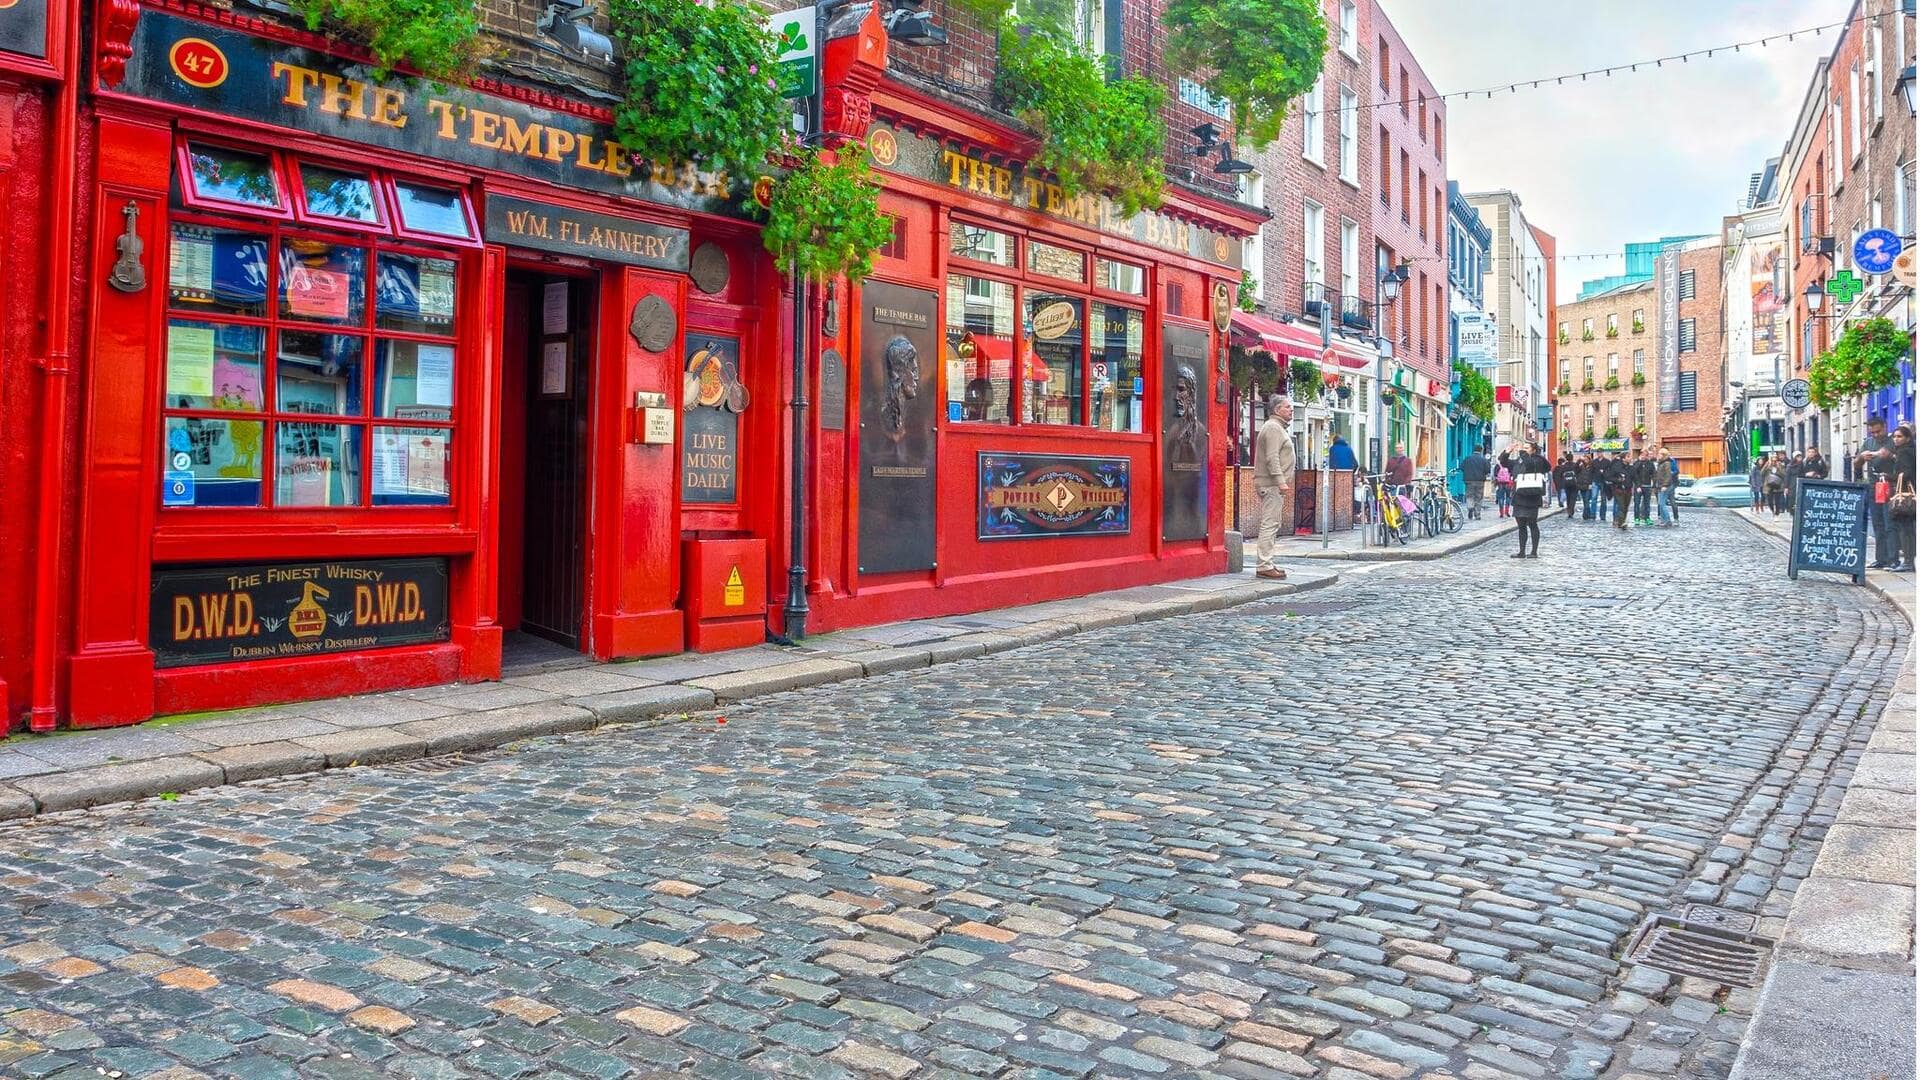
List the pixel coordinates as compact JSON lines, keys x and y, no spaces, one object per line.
{"x":553,"y":369}
{"x":410,"y":462}
{"x":236,"y":382}
{"x":433,"y":372}
{"x":436,"y":295}
{"x":317,"y":294}
{"x":553,"y":307}
{"x":189,"y":361}
{"x":190,"y":262}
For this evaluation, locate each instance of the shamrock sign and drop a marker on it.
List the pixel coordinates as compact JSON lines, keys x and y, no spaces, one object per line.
{"x":1844,"y":287}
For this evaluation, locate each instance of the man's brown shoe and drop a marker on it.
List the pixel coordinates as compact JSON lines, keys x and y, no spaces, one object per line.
{"x":1271,"y":575}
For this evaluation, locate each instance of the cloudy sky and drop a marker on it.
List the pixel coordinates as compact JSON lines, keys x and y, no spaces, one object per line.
{"x":1659,"y":153}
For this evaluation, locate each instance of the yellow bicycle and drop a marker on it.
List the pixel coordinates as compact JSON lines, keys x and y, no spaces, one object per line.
{"x":1395,"y":522}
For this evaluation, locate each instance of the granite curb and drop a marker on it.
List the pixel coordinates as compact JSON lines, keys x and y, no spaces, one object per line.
{"x":1453,"y":545}
{"x":401,"y":739}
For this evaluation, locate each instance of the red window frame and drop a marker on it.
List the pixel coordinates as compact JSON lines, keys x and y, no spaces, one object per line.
{"x":293,"y":219}
{"x":1024,"y":280}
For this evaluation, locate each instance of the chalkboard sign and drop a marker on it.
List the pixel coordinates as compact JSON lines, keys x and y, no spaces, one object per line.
{"x":1830,"y":529}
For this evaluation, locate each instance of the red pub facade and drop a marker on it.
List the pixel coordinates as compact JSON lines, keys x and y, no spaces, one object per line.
{"x":362,"y":378}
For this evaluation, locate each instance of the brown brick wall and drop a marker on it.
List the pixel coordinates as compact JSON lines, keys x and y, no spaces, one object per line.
{"x":1574,"y":355}
{"x":1696,"y":435}
{"x":1411,"y":223}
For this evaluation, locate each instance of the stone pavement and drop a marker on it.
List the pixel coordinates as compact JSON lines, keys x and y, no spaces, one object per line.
{"x":1267,"y":841}
{"x":1360,"y":544}
{"x":1839,"y":1002}
{"x":43,"y":773}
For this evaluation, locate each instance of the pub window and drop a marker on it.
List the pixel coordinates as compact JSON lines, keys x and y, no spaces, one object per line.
{"x":966,"y":241}
{"x":980,"y":344}
{"x":307,"y":368}
{"x":432,"y":211}
{"x":1119,"y":384}
{"x":1056,"y":357}
{"x":1119,"y":277}
{"x":1056,"y":262}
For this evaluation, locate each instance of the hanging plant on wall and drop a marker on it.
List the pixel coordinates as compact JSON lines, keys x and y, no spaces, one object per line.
{"x":699,"y":83}
{"x":1303,"y":376}
{"x":1095,"y":134}
{"x":825,"y":218}
{"x":1260,"y":55}
{"x":438,"y":38}
{"x":1866,"y":358}
{"x":1248,"y":297}
{"x":1252,"y":370}
{"x":1476,"y":392}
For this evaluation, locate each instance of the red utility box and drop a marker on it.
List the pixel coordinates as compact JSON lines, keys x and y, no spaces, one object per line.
{"x":726,"y":594}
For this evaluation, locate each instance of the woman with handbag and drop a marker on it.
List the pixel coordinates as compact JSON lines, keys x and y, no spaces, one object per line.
{"x":1530,"y":472}
{"x":1774,"y":479}
{"x":1900,"y":505}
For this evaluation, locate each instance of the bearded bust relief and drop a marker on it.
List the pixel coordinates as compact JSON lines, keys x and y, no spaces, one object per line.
{"x":903,"y":385}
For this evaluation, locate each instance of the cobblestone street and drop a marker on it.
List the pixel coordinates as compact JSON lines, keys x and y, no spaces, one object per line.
{"x":1402,"y":826}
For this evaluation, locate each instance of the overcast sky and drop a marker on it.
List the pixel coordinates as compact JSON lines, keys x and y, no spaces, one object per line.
{"x":1661,"y":152}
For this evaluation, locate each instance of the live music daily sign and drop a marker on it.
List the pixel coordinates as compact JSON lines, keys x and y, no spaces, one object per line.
{"x":1830,"y":529}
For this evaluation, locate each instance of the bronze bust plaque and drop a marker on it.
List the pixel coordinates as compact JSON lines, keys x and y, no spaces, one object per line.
{"x":653,"y":324}
{"x":710,"y":270}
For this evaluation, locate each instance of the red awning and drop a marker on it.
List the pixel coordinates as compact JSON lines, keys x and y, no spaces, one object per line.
{"x":1252,"y":331}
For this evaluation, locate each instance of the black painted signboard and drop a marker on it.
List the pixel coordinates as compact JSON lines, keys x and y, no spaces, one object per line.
{"x":23,"y":27}
{"x":201,"y":66}
{"x":546,"y":227}
{"x":1830,"y":529}
{"x":1184,"y":442}
{"x":1029,"y":495}
{"x":266,"y":611}
{"x":897,"y":390}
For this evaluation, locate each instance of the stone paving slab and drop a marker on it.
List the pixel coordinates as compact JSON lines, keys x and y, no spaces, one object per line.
{"x":82,"y":769}
{"x":1350,"y":546}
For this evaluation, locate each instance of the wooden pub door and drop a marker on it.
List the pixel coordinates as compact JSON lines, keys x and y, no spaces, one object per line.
{"x":556,"y":337}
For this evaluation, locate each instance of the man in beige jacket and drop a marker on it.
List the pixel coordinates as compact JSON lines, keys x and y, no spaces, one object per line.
{"x":1273,"y":466}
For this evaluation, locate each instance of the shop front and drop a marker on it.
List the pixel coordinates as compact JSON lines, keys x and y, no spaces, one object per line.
{"x":1035,"y":386}
{"x":389,"y":379}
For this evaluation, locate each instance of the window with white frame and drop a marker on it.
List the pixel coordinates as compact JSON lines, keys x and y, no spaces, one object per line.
{"x":1089,"y":25}
{"x":1640,"y":362}
{"x":1205,"y":100}
{"x":1253,"y":191}
{"x":1903,"y":198}
{"x":1639,"y":412}
{"x":1313,"y":244}
{"x":1349,"y":259}
{"x":1349,"y":136}
{"x":1313,"y":123}
{"x":1873,"y":70}
{"x":1855,"y":144}
{"x":1613,"y":365}
{"x":1349,"y":28}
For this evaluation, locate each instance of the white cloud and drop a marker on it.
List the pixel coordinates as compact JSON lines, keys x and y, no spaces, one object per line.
{"x":1663,"y":151}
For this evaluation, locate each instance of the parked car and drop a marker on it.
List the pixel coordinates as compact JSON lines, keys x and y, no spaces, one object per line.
{"x":1729,"y":489}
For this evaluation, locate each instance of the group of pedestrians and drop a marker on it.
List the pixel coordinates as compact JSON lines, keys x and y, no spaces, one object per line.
{"x":1635,"y":486}
{"x":1772,"y":477}
{"x":1886,"y":463}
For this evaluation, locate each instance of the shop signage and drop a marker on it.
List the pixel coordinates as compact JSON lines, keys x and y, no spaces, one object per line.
{"x":1479,"y":338}
{"x":1600,"y":446}
{"x":1185,"y":446}
{"x":897,"y":456}
{"x":794,"y":52}
{"x":1876,"y":250}
{"x":1054,"y":320}
{"x":265,"y":611}
{"x":1797,"y":393}
{"x":914,"y":155}
{"x":1029,"y":495}
{"x":1669,"y":342}
{"x":1829,"y":529}
{"x":23,"y":27}
{"x":546,"y":227}
{"x":221,"y":71}
{"x":712,"y":401}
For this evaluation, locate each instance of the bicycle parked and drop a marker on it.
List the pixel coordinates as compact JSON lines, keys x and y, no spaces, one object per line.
{"x":1395,"y":512}
{"x":1439,"y":510}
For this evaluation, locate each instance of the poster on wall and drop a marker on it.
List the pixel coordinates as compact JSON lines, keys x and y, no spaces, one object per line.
{"x":711,"y":402}
{"x":898,"y":347}
{"x":1031,"y":495}
{"x":1769,"y":298}
{"x":266,"y":611}
{"x":1184,"y":441}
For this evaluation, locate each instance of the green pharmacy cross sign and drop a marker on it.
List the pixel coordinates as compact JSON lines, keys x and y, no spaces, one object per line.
{"x":1844,"y":287}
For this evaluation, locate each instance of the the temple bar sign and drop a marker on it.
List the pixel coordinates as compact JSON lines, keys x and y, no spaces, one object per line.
{"x":546,"y":227}
{"x":913,"y":155}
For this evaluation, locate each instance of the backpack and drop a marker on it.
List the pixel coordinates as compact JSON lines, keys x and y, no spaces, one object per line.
{"x":1502,"y":476}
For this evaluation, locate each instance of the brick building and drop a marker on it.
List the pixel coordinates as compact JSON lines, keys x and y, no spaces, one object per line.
{"x":1605,"y":380}
{"x":1689,"y":412}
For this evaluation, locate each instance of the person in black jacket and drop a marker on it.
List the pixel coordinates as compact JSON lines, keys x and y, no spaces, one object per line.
{"x":1567,"y":475}
{"x":1643,"y":473}
{"x":1589,"y":486}
{"x":1474,"y":470}
{"x":1530,"y":475}
{"x":1620,"y":488}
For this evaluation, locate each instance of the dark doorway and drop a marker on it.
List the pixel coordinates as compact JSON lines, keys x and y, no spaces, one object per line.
{"x":550,"y":326}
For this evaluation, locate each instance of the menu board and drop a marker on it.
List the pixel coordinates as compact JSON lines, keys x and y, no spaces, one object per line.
{"x":1830,"y":529}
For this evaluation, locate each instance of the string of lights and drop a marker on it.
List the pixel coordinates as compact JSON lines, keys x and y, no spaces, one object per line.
{"x":1631,"y":67}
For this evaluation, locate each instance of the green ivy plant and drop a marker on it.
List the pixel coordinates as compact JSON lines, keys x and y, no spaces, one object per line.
{"x":699,"y":83}
{"x":824,"y":219}
{"x":438,"y":38}
{"x":1095,"y":134}
{"x":1303,"y":378}
{"x":1639,"y":326}
{"x":1587,"y":433}
{"x":1476,"y":391}
{"x":1565,"y":389}
{"x":1248,"y":297}
{"x":1564,"y":339}
{"x":1866,"y":358}
{"x":1260,"y":55}
{"x":1587,"y":385}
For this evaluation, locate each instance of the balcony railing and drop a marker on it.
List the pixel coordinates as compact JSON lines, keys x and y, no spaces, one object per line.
{"x":1316,"y":298}
{"x":1356,"y":314}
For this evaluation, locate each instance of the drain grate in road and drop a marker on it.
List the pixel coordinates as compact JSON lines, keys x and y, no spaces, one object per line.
{"x":1718,"y":918}
{"x":1681,"y":948}
{"x":1317,"y":607}
{"x":444,"y":762}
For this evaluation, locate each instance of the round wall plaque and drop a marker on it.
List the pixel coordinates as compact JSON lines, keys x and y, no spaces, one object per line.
{"x":653,"y":324}
{"x":709,"y":270}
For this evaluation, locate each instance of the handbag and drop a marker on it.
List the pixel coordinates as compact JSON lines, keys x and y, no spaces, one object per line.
{"x":1531,"y":481}
{"x":1900,"y":506}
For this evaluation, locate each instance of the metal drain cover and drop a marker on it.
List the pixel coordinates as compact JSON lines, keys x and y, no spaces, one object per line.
{"x":1681,"y":948}
{"x":1717,"y":918}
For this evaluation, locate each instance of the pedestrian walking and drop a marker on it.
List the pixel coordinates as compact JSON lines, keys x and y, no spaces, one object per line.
{"x":1620,"y":489}
{"x":1474,"y":469}
{"x":1273,"y":468}
{"x":1503,"y":483}
{"x":1589,"y":487}
{"x":1567,"y":475}
{"x":1340,"y":454}
{"x":1531,"y":474}
{"x":1900,"y":503}
{"x":1813,"y":466}
{"x":1874,"y":464}
{"x":1773,"y":481}
{"x":1400,"y":471}
{"x":1756,"y":480}
{"x":1643,"y":477}
{"x":1666,"y":475}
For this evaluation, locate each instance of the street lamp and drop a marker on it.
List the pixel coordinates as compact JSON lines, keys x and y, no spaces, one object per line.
{"x":1391,"y":281}
{"x":1815,"y":296}
{"x":1905,"y":85}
